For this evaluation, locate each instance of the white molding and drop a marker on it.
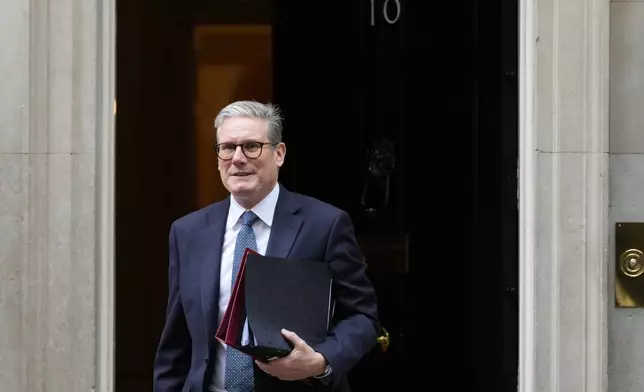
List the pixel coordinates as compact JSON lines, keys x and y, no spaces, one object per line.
{"x":106,"y":167}
{"x":597,"y":195}
{"x":563,"y":190}
{"x":527,"y":184}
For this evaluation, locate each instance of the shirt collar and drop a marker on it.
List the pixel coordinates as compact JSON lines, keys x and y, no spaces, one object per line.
{"x":265,"y":209}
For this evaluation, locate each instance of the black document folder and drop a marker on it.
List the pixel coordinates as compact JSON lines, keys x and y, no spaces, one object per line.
{"x":274,"y":294}
{"x":292,"y":294}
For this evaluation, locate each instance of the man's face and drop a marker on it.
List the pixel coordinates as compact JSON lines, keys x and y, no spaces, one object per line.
{"x":249,"y":179}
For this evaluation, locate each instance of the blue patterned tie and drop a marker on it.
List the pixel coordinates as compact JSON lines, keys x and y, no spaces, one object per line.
{"x":239,"y":366}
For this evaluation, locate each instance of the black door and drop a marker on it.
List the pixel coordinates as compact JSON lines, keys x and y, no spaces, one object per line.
{"x":404,"y":114}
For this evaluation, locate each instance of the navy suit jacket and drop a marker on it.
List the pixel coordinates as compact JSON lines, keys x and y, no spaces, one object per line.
{"x":303,"y":228}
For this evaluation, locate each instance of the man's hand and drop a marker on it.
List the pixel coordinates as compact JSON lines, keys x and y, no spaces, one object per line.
{"x":303,"y":362}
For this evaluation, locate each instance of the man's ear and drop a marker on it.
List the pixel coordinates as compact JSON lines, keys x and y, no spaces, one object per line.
{"x":280,"y":150}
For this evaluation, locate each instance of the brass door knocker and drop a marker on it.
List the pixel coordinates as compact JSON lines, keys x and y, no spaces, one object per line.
{"x":380,"y":163}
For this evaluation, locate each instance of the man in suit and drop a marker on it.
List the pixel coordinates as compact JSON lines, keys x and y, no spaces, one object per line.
{"x":205,"y":249}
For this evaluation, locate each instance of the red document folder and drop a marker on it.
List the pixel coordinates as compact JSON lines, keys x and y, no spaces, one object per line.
{"x":232,"y":325}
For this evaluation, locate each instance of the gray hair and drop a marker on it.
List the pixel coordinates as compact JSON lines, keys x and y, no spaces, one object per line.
{"x":251,"y":109}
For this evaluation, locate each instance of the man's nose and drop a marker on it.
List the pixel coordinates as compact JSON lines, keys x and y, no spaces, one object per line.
{"x":239,"y":156}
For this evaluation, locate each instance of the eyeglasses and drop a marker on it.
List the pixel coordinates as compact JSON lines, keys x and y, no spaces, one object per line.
{"x":251,"y":150}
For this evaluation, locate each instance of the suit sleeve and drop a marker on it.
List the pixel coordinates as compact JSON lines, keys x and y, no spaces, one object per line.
{"x":172,"y":361}
{"x":356,"y":316}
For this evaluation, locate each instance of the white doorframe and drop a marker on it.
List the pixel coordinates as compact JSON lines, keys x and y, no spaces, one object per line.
{"x":563,"y":191}
{"x":526,"y":181}
{"x":105,"y":190}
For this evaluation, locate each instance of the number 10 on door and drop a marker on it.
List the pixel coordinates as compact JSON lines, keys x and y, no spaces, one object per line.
{"x":390,"y":12}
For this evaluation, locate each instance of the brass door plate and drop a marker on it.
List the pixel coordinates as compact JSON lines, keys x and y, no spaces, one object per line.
{"x":629,"y":264}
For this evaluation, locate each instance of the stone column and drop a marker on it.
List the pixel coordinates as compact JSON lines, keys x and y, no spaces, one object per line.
{"x":56,"y":160}
{"x":564,"y":195}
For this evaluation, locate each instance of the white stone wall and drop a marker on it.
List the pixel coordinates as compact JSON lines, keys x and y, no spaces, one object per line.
{"x":55,"y":189}
{"x":626,"y":340}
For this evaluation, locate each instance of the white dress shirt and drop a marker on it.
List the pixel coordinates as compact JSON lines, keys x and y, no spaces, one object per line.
{"x":262,"y":227}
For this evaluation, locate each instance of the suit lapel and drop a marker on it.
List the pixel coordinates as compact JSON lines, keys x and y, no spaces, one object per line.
{"x":286,"y":225}
{"x":209,"y":243}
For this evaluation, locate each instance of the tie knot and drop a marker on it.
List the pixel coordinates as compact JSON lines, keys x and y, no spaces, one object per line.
{"x":248,"y":218}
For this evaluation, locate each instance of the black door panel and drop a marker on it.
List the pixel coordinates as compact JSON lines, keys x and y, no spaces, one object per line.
{"x":407,"y":121}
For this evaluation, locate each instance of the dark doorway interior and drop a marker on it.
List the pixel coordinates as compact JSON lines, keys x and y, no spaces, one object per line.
{"x":436,"y":90}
